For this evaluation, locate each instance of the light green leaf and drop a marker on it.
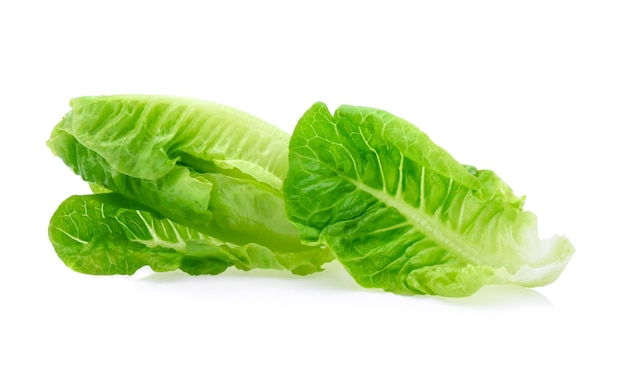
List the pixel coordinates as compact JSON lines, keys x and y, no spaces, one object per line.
{"x":401,"y":214}
{"x":145,"y":136}
{"x":106,"y":234}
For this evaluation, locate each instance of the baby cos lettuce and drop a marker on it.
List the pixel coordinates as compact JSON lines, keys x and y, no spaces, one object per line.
{"x":402,"y":215}
{"x":183,"y":184}
{"x":210,"y":174}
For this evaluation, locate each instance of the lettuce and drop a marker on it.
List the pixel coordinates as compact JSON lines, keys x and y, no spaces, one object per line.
{"x":402,"y":214}
{"x":206,"y":172}
{"x":184,"y":184}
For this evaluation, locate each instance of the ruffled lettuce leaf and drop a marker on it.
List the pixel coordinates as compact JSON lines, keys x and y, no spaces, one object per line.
{"x":402,"y":214}
{"x":146,"y":136}
{"x":105,"y":234}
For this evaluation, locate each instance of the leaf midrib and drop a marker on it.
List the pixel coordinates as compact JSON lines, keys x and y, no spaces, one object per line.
{"x":427,"y":224}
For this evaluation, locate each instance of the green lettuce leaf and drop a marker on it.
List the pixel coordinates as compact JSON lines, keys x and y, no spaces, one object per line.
{"x":146,"y":136}
{"x":402,"y":214}
{"x":202,"y":165}
{"x":105,"y":234}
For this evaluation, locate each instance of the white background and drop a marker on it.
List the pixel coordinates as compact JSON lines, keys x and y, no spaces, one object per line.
{"x":535,"y":90}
